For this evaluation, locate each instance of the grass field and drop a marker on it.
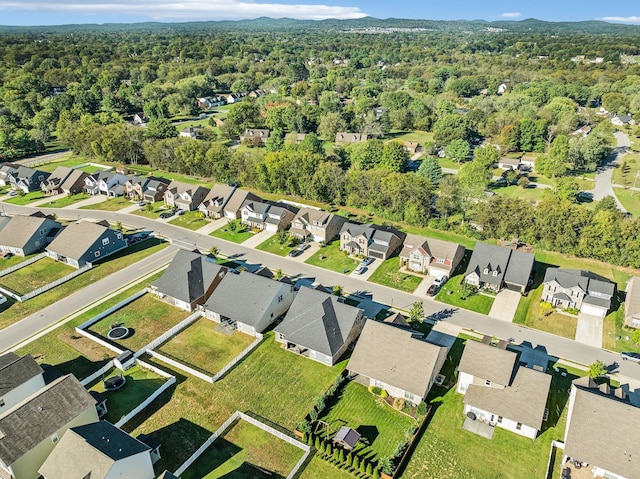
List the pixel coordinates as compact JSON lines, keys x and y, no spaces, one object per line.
{"x":389,"y":274}
{"x":204,"y":348}
{"x":626,"y":176}
{"x":450,"y":294}
{"x":448,"y":163}
{"x":630,"y":199}
{"x":191,"y":220}
{"x":272,"y":245}
{"x":26,"y":199}
{"x":381,"y":425}
{"x":36,"y":275}
{"x":243,"y":452}
{"x":514,"y":191}
{"x":421,"y":137}
{"x":112,"y":204}
{"x":146,"y":317}
{"x":156,"y":210}
{"x":227,"y":235}
{"x":141,"y":383}
{"x":13,"y":260}
{"x":330,"y":257}
{"x":319,"y":469}
{"x":66,"y":200}
{"x":71,"y":162}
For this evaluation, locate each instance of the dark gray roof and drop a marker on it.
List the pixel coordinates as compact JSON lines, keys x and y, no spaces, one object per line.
{"x":490,"y":257}
{"x":244,"y":297}
{"x":75,"y":240}
{"x":398,"y":320}
{"x":36,"y":418}
{"x":357,"y":230}
{"x":188,"y":276}
{"x":167,"y":475}
{"x":348,"y":436}
{"x":257,"y":207}
{"x":519,"y":268}
{"x":567,"y":278}
{"x":318,"y":321}
{"x":75,"y":176}
{"x":487,"y":362}
{"x":20,"y":229}
{"x":602,"y":302}
{"x":16,"y":370}
{"x":562,"y":297}
{"x":587,"y":281}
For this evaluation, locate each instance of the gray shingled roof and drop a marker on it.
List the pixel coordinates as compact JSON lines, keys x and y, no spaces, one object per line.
{"x":76,"y":239}
{"x":318,"y":321}
{"x":59,"y":175}
{"x":90,"y":449}
{"x":632,"y":299}
{"x":604,"y":432}
{"x":377,"y":355}
{"x":487,"y":362}
{"x":220,"y":193}
{"x":36,"y":418}
{"x":16,"y":370}
{"x":524,"y":401}
{"x":75,"y":176}
{"x":519,"y":268}
{"x":567,"y":278}
{"x":243,"y":297}
{"x":357,"y":230}
{"x":20,"y":229}
{"x":188,"y":276}
{"x":491,"y":257}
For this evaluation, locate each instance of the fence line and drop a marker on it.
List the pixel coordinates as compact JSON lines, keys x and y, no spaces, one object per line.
{"x":180,"y":366}
{"x":238,"y":358}
{"x":100,"y":341}
{"x":126,"y":418}
{"x":112,"y":309}
{"x":555,"y":445}
{"x":9,"y":293}
{"x":97,"y":374}
{"x":172,"y":332}
{"x":21,"y":265}
{"x":55,"y":283}
{"x":156,"y":370}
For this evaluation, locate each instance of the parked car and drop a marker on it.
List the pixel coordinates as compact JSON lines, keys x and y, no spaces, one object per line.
{"x":142,"y":203}
{"x":303,"y":246}
{"x":360,"y":269}
{"x":440,"y":280}
{"x":295,"y":252}
{"x":433,"y":290}
{"x":367,"y":261}
{"x":630,"y":356}
{"x":13,"y":193}
{"x":181,"y":212}
{"x":167,"y":214}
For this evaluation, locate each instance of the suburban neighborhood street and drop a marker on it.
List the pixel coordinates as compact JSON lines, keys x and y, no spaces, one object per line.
{"x":604,"y":172}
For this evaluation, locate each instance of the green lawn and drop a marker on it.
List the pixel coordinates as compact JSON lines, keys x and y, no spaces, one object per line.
{"x":319,"y":469}
{"x":243,"y":452}
{"x":272,"y":245}
{"x":448,"y":163}
{"x":193,"y":180}
{"x":421,"y":137}
{"x":141,"y":383}
{"x":226,"y":234}
{"x":36,"y":275}
{"x":630,"y":199}
{"x":515,"y":191}
{"x":26,"y":199}
{"x":67,"y":200}
{"x":204,"y":348}
{"x":112,"y":204}
{"x":450,"y":294}
{"x":626,"y":176}
{"x":191,"y":220}
{"x":147,"y":318}
{"x":382,"y":426}
{"x":13,"y":260}
{"x":330,"y":257}
{"x":154,"y":211}
{"x":615,"y":333}
{"x":71,"y":162}
{"x":389,"y":274}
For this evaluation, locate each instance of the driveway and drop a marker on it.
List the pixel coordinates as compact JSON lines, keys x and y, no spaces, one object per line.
{"x":258,"y":238}
{"x":89,"y":201}
{"x":589,"y":330}
{"x":214,"y":225}
{"x":604,"y":172}
{"x":306,"y":254}
{"x":48,"y":199}
{"x":505,"y":305}
{"x":370,"y":270}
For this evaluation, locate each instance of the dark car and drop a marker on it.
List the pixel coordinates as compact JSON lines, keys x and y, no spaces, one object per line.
{"x":433,"y":289}
{"x":630,"y":356}
{"x":167,"y":214}
{"x":295,"y":252}
{"x":367,"y":261}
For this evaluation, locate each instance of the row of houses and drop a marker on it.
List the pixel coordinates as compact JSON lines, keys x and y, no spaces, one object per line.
{"x":208,"y":102}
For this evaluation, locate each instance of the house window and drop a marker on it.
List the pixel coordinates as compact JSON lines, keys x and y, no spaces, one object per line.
{"x":486,"y":271}
{"x":119,"y":235}
{"x":54,"y":438}
{"x":1,"y":402}
{"x":495,"y":273}
{"x":487,"y":382}
{"x":499,"y":419}
{"x":105,"y":241}
{"x":408,"y":396}
{"x":519,"y":426}
{"x":280,"y":299}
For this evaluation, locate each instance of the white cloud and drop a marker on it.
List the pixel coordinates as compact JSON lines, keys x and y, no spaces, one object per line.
{"x":511,"y":15}
{"x":631,"y":19}
{"x":186,"y":9}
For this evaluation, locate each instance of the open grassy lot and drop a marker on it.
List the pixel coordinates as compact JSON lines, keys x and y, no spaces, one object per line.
{"x":13,"y":260}
{"x":14,"y":311}
{"x":381,"y":425}
{"x":450,"y":293}
{"x":421,"y":137}
{"x":389,"y":274}
{"x":449,"y":163}
{"x":151,"y":210}
{"x":70,"y":161}
{"x":272,"y":245}
{"x":141,"y":383}
{"x":66,"y":200}
{"x":202,"y":347}
{"x":26,"y":199}
{"x":191,"y":220}
{"x":235,"y":237}
{"x":36,"y":275}
{"x":515,"y":191}
{"x":146,"y":317}
{"x":330,"y":257}
{"x":625,"y":173}
{"x":112,"y":204}
{"x":244,"y":452}
{"x":630,"y":199}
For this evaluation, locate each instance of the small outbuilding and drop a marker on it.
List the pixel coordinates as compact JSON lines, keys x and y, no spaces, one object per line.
{"x":346,"y":437}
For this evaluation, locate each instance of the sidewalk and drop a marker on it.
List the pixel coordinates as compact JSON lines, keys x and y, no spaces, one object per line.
{"x":48,"y":199}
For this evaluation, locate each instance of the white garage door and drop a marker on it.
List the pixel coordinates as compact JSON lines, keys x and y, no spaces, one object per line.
{"x":593,"y":310}
{"x":437,"y":273}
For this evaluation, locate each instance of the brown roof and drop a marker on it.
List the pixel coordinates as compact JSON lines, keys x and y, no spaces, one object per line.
{"x":74,"y":177}
{"x":434,"y":247}
{"x":75,"y":239}
{"x":238,"y":198}
{"x":605,"y":432}
{"x":393,"y":356}
{"x":20,"y":229}
{"x":487,"y":362}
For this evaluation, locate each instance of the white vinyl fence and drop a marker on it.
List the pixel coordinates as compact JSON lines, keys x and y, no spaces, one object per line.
{"x":103,"y":370}
{"x":24,"y":264}
{"x":238,"y":358}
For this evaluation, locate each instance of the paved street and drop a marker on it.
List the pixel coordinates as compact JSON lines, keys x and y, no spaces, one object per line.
{"x":605,"y":171}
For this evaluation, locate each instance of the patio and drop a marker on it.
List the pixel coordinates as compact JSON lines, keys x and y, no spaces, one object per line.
{"x":572,"y":471}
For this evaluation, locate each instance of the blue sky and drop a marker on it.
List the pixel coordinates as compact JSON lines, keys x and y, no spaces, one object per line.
{"x":54,"y":12}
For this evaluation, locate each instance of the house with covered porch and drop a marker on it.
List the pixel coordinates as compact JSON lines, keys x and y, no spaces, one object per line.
{"x":578,"y":289}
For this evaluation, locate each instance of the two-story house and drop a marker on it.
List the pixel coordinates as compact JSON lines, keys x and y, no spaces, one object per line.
{"x":213,"y":204}
{"x":232,"y":208}
{"x":113,"y":185}
{"x":583,"y":290}
{"x":28,"y":179}
{"x":74,"y":183}
{"x":134,"y":186}
{"x":255,"y":135}
{"x":316,"y":225}
{"x":20,"y":377}
{"x":52,"y":185}
{"x":494,"y":267}
{"x":267,"y":215}
{"x":24,"y":235}
{"x":7,"y":170}
{"x":184,"y":196}
{"x":632,"y":303}
{"x":430,"y":256}
{"x":92,"y":182}
{"x":153,"y":190}
{"x":370,"y":240}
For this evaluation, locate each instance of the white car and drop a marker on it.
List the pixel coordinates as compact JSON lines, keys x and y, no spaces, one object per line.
{"x":360,"y":269}
{"x":440,"y":280}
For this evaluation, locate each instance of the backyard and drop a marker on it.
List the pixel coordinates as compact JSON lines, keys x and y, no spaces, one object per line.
{"x":389,"y":274}
{"x":192,"y":220}
{"x":330,"y":257}
{"x":36,"y":275}
{"x":273,"y":245}
{"x":451,"y":293}
{"x":245,"y":451}
{"x":238,"y":236}
{"x":201,"y":346}
{"x":112,"y":204}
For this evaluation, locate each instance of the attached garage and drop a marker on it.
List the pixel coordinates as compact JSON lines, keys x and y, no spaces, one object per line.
{"x":593,"y":310}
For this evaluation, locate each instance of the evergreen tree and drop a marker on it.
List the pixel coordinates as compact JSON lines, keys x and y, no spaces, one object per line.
{"x":431,"y":170}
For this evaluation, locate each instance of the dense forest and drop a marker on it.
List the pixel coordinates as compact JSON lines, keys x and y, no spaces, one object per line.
{"x":479,"y":90}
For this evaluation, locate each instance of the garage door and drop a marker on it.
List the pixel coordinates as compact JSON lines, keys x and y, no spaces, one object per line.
{"x":593,"y":310}
{"x":513,"y":287}
{"x":376,"y":254}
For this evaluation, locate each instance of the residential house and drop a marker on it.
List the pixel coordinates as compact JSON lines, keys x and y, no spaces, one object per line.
{"x":184,"y":196}
{"x":213,"y":204}
{"x":370,"y":240}
{"x":583,"y":290}
{"x":603,"y":431}
{"x":258,"y":93}
{"x":133,"y":187}
{"x":267,"y":216}
{"x":74,"y":183}
{"x":92,"y":182}
{"x":113,"y":185}
{"x":189,"y":280}
{"x":190,"y":132}
{"x":411,"y":147}
{"x":583,"y":131}
{"x":379,"y":112}
{"x":494,"y":394}
{"x":632,"y":303}
{"x":295,"y":138}
{"x":52,"y":185}
{"x":153,"y":190}
{"x":98,"y":450}
{"x":208,"y":102}
{"x":7,"y":170}
{"x":85,"y":242}
{"x":28,"y":179}
{"x":345,"y":138}
{"x":235,"y":98}
{"x":254,"y":135}
{"x":32,"y":428}
{"x":528,"y":161}
{"x":316,"y":225}
{"x":140,"y":118}
{"x":249,"y":302}
{"x":375,"y":361}
{"x":494,"y":267}
{"x":232,"y":208}
{"x":430,"y":256}
{"x":505,"y":163}
{"x":622,"y":120}
{"x":20,"y":377}
{"x":24,"y":235}
{"x":319,"y":326}
{"x":502,"y":89}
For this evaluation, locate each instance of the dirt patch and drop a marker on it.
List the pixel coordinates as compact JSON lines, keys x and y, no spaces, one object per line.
{"x":85,"y":346}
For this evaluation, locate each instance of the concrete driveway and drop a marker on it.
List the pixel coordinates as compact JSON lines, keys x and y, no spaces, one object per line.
{"x":368,"y":272}
{"x":258,"y":238}
{"x":589,"y":330}
{"x":505,"y":305}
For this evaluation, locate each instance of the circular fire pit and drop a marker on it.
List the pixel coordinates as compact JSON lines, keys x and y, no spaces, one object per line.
{"x":119,"y":332}
{"x":114,"y":383}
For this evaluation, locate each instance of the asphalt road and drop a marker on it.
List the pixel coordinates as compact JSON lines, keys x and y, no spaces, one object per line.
{"x":555,"y":345}
{"x":604,"y":172}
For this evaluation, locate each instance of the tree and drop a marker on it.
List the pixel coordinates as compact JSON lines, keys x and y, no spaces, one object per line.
{"x":394,"y":157}
{"x":214,"y":251}
{"x":458,"y":150}
{"x":431,"y":170}
{"x":337,"y":290}
{"x":635,"y":336}
{"x":487,"y":155}
{"x":567,"y":189}
{"x":160,"y":128}
{"x":416,"y":313}
{"x":597,"y":369}
{"x":330,"y":124}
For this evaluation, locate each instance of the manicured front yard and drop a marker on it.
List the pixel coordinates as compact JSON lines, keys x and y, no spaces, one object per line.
{"x":146,"y":317}
{"x":515,"y":191}
{"x":630,"y":199}
{"x":244,"y":452}
{"x":26,"y":199}
{"x":389,"y":274}
{"x":615,"y":335}
{"x":204,"y":348}
{"x":154,"y":211}
{"x":66,"y":200}
{"x":235,"y":237}
{"x":382,"y":426}
{"x":330,"y":257}
{"x":36,"y":275}
{"x":112,"y":204}
{"x":272,"y":245}
{"x":191,"y":220}
{"x":451,"y":294}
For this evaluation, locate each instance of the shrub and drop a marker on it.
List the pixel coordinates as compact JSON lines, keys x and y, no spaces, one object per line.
{"x":376,"y":474}
{"x":313,"y":414}
{"x":316,"y":443}
{"x":304,"y":426}
{"x":349,"y":460}
{"x":422,"y":408}
{"x":323,"y":447}
{"x":329,"y":449}
{"x":320,"y":403}
{"x":341,"y":455}
{"x":356,"y":462}
{"x":378,"y":391}
{"x":369,"y":469}
{"x":386,"y":465}
{"x":363,"y":466}
{"x":398,"y":403}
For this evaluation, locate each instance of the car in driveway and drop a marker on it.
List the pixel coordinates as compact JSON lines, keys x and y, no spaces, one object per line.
{"x":367,"y":261}
{"x":167,"y":214}
{"x":295,"y":252}
{"x":630,"y":356}
{"x":433,"y":290}
{"x":439,"y":281}
{"x":360,"y":269}
{"x":303,"y":246}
